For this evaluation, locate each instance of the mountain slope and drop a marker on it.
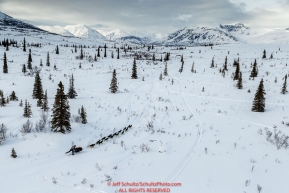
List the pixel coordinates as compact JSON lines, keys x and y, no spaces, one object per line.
{"x":57,"y":30}
{"x":115,"y":34}
{"x":8,"y":21}
{"x":197,"y":36}
{"x":83,"y":31}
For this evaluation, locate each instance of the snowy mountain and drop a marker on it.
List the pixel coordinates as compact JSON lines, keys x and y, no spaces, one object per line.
{"x":248,"y":35}
{"x":57,"y":30}
{"x":83,"y":31}
{"x":116,"y":34}
{"x":8,"y":21}
{"x":197,"y":36}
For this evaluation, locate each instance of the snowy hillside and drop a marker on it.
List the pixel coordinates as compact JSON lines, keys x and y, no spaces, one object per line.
{"x":10,"y":22}
{"x":84,"y":32}
{"x":198,"y":36}
{"x":57,"y":30}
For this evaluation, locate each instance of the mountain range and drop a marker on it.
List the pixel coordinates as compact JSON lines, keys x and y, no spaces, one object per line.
{"x":187,"y":36}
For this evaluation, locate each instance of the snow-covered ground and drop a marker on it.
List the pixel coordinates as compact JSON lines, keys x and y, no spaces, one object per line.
{"x":209,"y":141}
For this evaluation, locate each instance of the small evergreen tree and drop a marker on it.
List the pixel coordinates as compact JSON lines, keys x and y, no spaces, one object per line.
{"x":154,"y":57}
{"x":113,"y":85}
{"x":166,"y":70}
{"x":13,"y":96}
{"x":112,"y":55}
{"x":264,"y":54}
{"x":104,"y":50}
{"x":13,"y":154}
{"x":161,"y":76}
{"x":29,"y":65}
{"x":48,"y":60}
{"x":226,"y":64}
{"x":60,"y":113}
{"x":2,"y":99}
{"x":41,"y":63}
{"x":44,"y":106}
{"x":98,"y":51}
{"x":271,"y":57}
{"x":254,"y":71}
{"x":284,"y":87}
{"x":24,"y":69}
{"x":81,"y":54}
{"x":182,"y":67}
{"x":240,"y":82}
{"x":29,"y":56}
{"x":24,"y":45}
{"x":27,"y":110}
{"x":57,"y":50}
{"x":21,"y":103}
{"x":192,"y":69}
{"x":212,"y":64}
{"x":259,"y":100}
{"x":7,"y":47}
{"x":237,"y":72}
{"x":117,"y":53}
{"x":182,"y":58}
{"x":134,"y":70}
{"x":37,"y":90}
{"x":95,"y":59}
{"x":5,"y":66}
{"x":83,"y":115}
{"x":71,"y":91}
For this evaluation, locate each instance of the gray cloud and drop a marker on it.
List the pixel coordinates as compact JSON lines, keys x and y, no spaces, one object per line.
{"x":130,"y":15}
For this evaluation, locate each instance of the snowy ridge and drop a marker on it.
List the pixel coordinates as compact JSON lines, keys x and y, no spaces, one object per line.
{"x":116,"y":34}
{"x":83,"y":31}
{"x":57,"y":30}
{"x":197,"y":36}
{"x":8,"y":21}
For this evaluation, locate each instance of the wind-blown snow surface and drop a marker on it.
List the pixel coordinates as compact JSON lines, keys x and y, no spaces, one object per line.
{"x":185,"y":121}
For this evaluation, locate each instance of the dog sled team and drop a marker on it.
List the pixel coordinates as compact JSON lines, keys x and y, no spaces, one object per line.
{"x":75,"y":149}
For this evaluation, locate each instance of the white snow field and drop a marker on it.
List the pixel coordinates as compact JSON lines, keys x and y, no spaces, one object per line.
{"x":210,"y":142}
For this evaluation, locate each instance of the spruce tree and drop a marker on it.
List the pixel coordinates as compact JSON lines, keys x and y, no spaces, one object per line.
{"x":24,"y":45}
{"x":83,"y":115}
{"x":27,"y":110}
{"x":2,"y":99}
{"x":259,"y":100}
{"x":95,"y":59}
{"x":81,"y":54}
{"x":182,"y":67}
{"x":24,"y":69}
{"x":48,"y":60}
{"x":161,"y":76}
{"x":29,"y":65}
{"x":192,"y":69}
{"x":254,"y":71}
{"x":264,"y":54}
{"x":154,"y":57}
{"x":44,"y":106}
{"x":182,"y":58}
{"x":7,"y":47}
{"x":98,"y":51}
{"x":41,"y":63}
{"x":71,"y":91}
{"x":113,"y":85}
{"x":134,"y":70}
{"x":13,"y":96}
{"x":29,"y":56}
{"x":21,"y":103}
{"x":5,"y":66}
{"x":57,"y":50}
{"x":240,"y":82}
{"x":284,"y":87}
{"x":104,"y":50}
{"x":117,"y":53}
{"x":60,"y":113}
{"x":13,"y":153}
{"x":226,"y":64}
{"x":237,"y":72}
{"x":166,"y":70}
{"x":212,"y":64}
{"x":37,"y":90}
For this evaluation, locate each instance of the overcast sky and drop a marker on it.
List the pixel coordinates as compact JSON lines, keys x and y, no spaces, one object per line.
{"x":149,"y":16}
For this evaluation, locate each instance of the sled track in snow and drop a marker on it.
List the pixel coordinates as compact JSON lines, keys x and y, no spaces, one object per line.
{"x":183,"y":163}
